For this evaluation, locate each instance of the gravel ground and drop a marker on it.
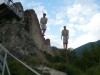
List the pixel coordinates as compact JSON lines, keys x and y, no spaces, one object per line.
{"x":51,"y":71}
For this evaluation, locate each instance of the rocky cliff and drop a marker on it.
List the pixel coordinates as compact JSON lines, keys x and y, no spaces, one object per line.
{"x":23,"y":37}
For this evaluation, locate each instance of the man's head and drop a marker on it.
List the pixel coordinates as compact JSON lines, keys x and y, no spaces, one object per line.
{"x":64,"y":27}
{"x":44,"y":14}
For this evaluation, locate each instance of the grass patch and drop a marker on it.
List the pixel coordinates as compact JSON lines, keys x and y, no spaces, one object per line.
{"x":17,"y":68}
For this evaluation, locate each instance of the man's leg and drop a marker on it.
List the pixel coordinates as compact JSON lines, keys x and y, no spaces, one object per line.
{"x":63,"y":45}
{"x":66,"y":45}
{"x":66,"y":53}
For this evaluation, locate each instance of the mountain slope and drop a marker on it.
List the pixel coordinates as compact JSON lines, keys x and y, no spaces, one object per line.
{"x":80,"y":49}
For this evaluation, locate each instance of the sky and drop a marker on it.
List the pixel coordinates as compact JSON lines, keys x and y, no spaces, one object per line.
{"x":82,"y":18}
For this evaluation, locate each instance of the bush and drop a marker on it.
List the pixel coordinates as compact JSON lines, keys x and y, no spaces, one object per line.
{"x":69,"y":69}
{"x":17,"y":68}
{"x":32,"y":60}
{"x":72,"y":70}
{"x":94,"y":70}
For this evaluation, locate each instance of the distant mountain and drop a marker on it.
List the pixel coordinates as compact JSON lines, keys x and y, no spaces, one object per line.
{"x":54,"y":48}
{"x":80,"y":49}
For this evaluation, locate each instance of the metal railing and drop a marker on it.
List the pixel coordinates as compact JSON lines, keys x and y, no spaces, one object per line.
{"x":2,"y":66}
{"x":14,"y":7}
{"x":3,"y":63}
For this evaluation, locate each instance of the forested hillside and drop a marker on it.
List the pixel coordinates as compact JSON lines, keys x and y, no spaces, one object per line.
{"x":88,"y":64}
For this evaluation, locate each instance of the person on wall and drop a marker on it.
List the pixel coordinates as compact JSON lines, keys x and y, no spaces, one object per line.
{"x":43,"y":22}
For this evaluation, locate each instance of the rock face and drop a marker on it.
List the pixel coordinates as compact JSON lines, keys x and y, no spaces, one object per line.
{"x":33,"y":28}
{"x":24,"y":37}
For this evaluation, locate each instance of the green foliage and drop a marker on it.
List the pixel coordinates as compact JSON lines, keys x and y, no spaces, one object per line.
{"x":53,"y":59}
{"x":72,"y":70}
{"x":87,"y":65}
{"x":96,"y":53}
{"x":49,"y":57}
{"x":33,"y":61}
{"x":17,"y":68}
{"x":67,"y":68}
{"x":94,"y":70}
{"x":59,"y":62}
{"x":72,"y":57}
{"x":85,"y":61}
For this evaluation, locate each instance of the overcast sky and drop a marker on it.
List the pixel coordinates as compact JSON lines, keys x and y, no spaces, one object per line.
{"x":82,"y":18}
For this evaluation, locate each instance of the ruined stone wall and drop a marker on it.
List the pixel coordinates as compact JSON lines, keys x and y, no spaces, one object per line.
{"x":34,"y":28}
{"x":24,"y":37}
{"x":15,"y":37}
{"x":35,"y":32}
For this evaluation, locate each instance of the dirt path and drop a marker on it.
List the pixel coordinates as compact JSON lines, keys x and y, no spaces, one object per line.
{"x":52,"y":71}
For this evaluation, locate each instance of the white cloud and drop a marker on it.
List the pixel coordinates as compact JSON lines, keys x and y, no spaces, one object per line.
{"x":59,"y":22}
{"x":58,"y":16}
{"x":93,"y":26}
{"x":84,"y":21}
{"x":91,"y":29}
{"x":81,"y":12}
{"x":60,"y":13}
{"x":38,"y":7}
{"x":51,"y":21}
{"x":82,"y":40}
{"x":72,"y":31}
{"x":54,"y":39}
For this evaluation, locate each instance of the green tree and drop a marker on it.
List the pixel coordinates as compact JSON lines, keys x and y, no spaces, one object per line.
{"x":95,"y":53}
{"x":72,"y":57}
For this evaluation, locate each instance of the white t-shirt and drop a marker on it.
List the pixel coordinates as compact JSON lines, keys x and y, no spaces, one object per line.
{"x":43,"y":20}
{"x":65,"y":33}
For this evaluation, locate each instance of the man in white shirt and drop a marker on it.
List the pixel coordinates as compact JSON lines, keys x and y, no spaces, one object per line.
{"x":43,"y":22}
{"x":65,"y":34}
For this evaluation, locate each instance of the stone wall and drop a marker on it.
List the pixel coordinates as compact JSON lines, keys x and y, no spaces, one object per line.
{"x":24,"y":37}
{"x":35,"y":31}
{"x":34,"y":28}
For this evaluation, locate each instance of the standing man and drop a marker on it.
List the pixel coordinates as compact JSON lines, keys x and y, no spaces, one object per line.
{"x":43,"y":22}
{"x":65,"y":34}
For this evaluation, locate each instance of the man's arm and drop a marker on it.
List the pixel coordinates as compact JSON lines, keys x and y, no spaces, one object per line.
{"x":46,"y":21}
{"x":68,"y":34}
{"x":61,"y":34}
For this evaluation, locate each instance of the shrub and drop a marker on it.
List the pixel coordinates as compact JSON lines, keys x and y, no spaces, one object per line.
{"x":17,"y":68}
{"x":32,"y":60}
{"x":67,"y":68}
{"x":94,"y":70}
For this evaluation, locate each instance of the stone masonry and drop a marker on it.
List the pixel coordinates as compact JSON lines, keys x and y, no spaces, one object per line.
{"x":24,"y":37}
